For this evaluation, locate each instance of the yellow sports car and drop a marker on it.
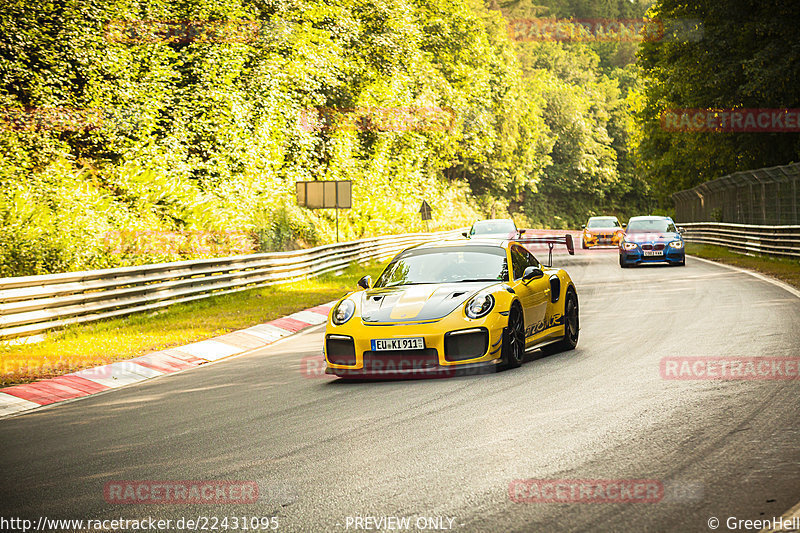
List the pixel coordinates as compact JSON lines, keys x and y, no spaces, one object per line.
{"x":451,"y":307}
{"x":602,"y":231}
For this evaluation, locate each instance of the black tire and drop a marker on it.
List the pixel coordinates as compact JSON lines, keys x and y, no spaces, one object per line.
{"x":622,"y":263}
{"x":513,"y":349}
{"x":571,"y":326}
{"x":583,"y":244}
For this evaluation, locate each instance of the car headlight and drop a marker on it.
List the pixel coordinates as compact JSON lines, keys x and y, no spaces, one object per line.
{"x":479,"y":306}
{"x":629,"y":245}
{"x":676,"y":244}
{"x":343,"y":312}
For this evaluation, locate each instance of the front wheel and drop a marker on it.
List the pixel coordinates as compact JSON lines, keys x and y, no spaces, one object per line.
{"x":513,"y":340}
{"x":622,"y":263}
{"x":571,"y":326}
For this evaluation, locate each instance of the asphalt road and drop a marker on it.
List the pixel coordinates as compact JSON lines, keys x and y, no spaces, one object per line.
{"x":323,"y":450}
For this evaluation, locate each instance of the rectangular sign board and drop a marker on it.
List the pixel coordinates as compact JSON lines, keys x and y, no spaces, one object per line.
{"x":324,"y":194}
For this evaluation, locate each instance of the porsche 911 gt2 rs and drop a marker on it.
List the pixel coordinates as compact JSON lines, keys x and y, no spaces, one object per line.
{"x":442,"y":308}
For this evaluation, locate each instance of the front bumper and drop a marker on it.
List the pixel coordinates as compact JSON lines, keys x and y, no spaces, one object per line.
{"x":433,"y":361}
{"x":590,"y":240}
{"x":637,"y":257}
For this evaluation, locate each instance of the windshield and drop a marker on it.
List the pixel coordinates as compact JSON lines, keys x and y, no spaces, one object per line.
{"x":486,"y":227}
{"x":446,"y":265}
{"x":656,"y":225}
{"x":603,"y":223}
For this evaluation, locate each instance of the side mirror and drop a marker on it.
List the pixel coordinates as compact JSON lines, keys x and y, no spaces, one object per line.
{"x":583,"y":226}
{"x":680,"y":229}
{"x":465,"y":234}
{"x":624,"y":224}
{"x":532,"y":273}
{"x":522,"y":232}
{"x":365,"y":282}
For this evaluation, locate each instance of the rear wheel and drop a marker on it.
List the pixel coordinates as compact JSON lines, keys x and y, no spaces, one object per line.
{"x":513,"y":340}
{"x":571,"y":326}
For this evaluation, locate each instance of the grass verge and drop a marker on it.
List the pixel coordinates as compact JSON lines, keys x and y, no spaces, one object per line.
{"x":784,"y":269}
{"x":99,"y":343}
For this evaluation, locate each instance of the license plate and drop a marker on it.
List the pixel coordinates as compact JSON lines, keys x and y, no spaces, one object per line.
{"x":653,"y":253}
{"x":411,"y":343}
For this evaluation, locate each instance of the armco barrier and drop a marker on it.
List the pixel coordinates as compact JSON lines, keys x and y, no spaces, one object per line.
{"x":33,"y":304}
{"x":783,"y":241}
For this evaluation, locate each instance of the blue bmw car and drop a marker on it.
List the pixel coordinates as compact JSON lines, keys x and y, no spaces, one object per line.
{"x":652,"y":240}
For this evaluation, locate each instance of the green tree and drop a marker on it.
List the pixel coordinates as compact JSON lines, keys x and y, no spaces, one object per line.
{"x":740,"y":54}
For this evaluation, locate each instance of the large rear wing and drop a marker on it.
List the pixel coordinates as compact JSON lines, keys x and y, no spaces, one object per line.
{"x":550,"y":241}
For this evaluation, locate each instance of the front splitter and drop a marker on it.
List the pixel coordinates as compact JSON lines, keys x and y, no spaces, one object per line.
{"x":439,"y":371}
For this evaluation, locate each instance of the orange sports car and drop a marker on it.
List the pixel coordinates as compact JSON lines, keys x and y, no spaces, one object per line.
{"x":602,"y":231}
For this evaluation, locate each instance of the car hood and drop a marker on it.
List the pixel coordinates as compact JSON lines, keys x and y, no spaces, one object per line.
{"x":502,"y":236}
{"x":416,"y":303}
{"x":651,"y":237}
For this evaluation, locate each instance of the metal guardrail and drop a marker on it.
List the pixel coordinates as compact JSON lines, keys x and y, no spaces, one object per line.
{"x":781,"y":241}
{"x":33,"y":304}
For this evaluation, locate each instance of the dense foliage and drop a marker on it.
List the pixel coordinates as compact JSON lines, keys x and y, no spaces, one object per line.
{"x":210,"y":134}
{"x":747,"y":56}
{"x":585,"y":90}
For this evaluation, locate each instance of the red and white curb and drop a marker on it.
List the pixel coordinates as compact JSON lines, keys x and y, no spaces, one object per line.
{"x":93,"y":380}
